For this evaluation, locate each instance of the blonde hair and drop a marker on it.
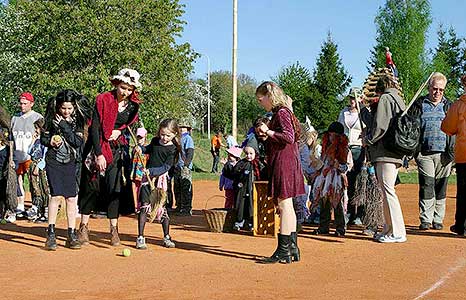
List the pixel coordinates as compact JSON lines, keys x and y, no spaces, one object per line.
{"x":275,"y":93}
{"x":437,"y":76}
{"x":308,"y":138}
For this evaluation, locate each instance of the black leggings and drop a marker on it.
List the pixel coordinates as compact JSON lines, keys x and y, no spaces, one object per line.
{"x":144,"y":198}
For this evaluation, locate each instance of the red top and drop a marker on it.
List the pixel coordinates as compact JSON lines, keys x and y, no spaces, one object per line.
{"x":284,"y":168}
{"x":388,"y":58}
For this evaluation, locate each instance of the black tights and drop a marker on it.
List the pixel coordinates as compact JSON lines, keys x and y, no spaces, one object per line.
{"x":142,"y":219}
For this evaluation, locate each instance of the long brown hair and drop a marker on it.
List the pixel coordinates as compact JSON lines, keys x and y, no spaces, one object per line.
{"x":172,"y":125}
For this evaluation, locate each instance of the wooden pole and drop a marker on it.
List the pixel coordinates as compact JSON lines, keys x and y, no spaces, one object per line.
{"x":234,"y":77}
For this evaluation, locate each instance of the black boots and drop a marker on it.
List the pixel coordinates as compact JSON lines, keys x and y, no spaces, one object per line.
{"x":51,"y":242}
{"x":294,"y":250}
{"x":282,"y":254}
{"x":72,"y":241}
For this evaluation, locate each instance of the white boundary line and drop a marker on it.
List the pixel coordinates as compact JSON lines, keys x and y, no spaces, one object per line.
{"x":461,"y":263}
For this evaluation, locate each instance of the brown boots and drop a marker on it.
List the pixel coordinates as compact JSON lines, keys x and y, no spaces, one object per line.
{"x":83,"y":234}
{"x":115,"y":239}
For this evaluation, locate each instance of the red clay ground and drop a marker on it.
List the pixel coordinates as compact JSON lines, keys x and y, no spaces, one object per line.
{"x":431,"y":265}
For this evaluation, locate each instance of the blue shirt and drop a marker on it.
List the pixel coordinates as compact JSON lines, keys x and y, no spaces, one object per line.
{"x":186,"y":143}
{"x":433,"y":138}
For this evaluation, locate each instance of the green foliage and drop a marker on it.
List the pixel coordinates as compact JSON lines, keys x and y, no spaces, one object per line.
{"x":50,"y":45}
{"x":448,"y":59}
{"x":330,"y":81}
{"x":221,"y":92}
{"x":402,"y":26}
{"x":296,"y":81}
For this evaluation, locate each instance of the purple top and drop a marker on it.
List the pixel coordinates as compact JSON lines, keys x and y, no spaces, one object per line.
{"x":285,"y":174}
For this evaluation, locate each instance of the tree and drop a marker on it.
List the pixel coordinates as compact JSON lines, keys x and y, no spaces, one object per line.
{"x":448,"y":59}
{"x":330,"y":81}
{"x":296,"y":81}
{"x":402,"y":26}
{"x":50,"y":45}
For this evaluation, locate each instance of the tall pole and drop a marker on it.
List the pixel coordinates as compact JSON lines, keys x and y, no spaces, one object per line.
{"x":235,"y":83}
{"x":208,"y":96}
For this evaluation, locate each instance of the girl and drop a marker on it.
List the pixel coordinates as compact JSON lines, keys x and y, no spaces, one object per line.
{"x":163,"y":152}
{"x":226,"y":184}
{"x":331,"y":184}
{"x":244,"y":173}
{"x":139,"y":161}
{"x":285,"y":174}
{"x":102,"y":176}
{"x":37,"y":177}
{"x":65,"y":118}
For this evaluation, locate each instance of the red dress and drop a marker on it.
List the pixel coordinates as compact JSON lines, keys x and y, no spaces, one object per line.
{"x":286,"y":178}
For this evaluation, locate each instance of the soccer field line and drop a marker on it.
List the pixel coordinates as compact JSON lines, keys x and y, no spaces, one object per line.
{"x":461,"y":263}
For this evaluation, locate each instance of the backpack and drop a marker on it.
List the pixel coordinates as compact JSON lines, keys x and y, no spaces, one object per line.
{"x":402,"y":136}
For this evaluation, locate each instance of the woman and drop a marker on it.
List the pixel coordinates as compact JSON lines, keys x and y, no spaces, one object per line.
{"x":63,"y":136}
{"x":102,"y":170}
{"x":349,"y":118}
{"x":285,"y":175}
{"x":455,"y":124}
{"x":386,"y":162}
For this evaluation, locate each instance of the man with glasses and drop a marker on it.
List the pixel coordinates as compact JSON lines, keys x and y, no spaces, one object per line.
{"x":435,"y":154}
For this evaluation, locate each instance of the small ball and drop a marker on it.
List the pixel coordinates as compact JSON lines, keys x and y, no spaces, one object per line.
{"x":126,"y":252}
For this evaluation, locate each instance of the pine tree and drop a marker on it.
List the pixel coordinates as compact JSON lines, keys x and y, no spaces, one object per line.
{"x":330,"y":81}
{"x":402,"y":26}
{"x":448,"y":59}
{"x":296,"y":81}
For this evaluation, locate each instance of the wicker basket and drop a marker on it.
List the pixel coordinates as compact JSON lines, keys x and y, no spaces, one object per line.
{"x":219,"y":219}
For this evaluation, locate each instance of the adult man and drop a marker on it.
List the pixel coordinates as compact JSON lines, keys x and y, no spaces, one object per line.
{"x":435,"y":154}
{"x":22,"y":128}
{"x":215,"y":145}
{"x":183,"y":185}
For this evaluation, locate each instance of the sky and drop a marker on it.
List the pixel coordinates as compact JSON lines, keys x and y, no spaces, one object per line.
{"x":273,"y":34}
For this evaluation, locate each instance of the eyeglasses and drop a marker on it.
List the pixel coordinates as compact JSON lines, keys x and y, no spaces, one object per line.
{"x":438,"y":90}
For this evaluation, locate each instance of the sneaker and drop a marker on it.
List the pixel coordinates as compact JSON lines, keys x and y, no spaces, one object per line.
{"x":437,"y":226}
{"x":424,"y":226}
{"x":20,"y":214}
{"x":368,"y":232}
{"x":236,"y":227}
{"x":141,"y":243}
{"x":41,"y":219}
{"x":340,"y":233}
{"x":32,"y":213}
{"x":392,"y":239}
{"x":10,"y":217}
{"x":167,"y":242}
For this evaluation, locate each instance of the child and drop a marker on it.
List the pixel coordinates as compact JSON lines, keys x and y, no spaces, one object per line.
{"x":245,"y":172}
{"x":162,"y":153}
{"x":65,"y":118}
{"x":37,"y":177}
{"x":226,"y":184}
{"x":330,"y":185}
{"x":139,"y":161}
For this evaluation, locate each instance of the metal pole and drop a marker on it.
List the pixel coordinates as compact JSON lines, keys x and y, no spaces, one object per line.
{"x":208,"y":96}
{"x":234,"y":78}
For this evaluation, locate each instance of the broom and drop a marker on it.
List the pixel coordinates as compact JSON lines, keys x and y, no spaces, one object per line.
{"x":11,"y":184}
{"x":157,"y":197}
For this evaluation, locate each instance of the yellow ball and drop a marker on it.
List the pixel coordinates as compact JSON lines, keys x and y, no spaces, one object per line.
{"x":126,"y":252}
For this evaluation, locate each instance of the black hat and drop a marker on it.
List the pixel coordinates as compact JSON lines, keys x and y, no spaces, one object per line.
{"x":336,"y":127}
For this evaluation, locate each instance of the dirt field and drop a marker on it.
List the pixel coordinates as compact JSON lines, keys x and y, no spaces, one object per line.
{"x":431,"y":265}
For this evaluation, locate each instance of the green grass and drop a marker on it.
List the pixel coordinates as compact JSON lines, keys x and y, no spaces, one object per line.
{"x":412,"y":177}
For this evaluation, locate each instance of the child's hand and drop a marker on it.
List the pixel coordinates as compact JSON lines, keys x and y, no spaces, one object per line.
{"x":223,"y":161}
{"x":101,"y":162}
{"x":56,"y":141}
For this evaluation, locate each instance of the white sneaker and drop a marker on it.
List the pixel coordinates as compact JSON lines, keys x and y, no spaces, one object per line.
{"x":167,"y":242}
{"x":392,"y":239}
{"x":10,"y":217}
{"x":141,"y":243}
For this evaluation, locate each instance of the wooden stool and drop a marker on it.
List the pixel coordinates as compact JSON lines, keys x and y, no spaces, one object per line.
{"x":266,"y":222}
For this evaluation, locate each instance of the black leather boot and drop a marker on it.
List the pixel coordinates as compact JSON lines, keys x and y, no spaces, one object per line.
{"x":294,"y":250}
{"x":282,"y":254}
{"x":51,"y":242}
{"x":72,"y":241}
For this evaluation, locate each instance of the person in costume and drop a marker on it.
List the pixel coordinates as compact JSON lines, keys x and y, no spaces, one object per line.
{"x":330,"y":187}
{"x":102,"y":171}
{"x":225,"y":182}
{"x":64,"y":134}
{"x":163,"y":152}
{"x":285,"y":175}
